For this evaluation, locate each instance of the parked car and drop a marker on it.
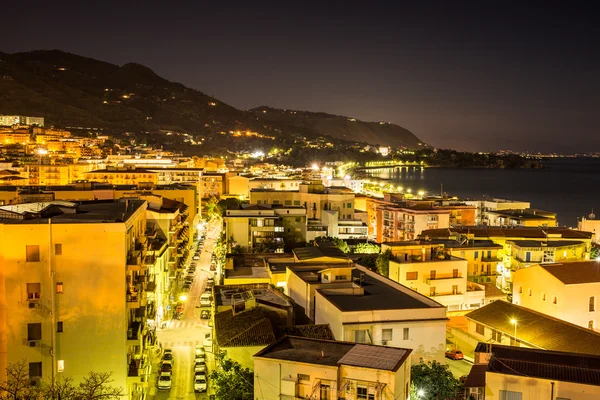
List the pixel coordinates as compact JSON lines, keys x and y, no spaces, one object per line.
{"x":192,"y":269}
{"x":454,"y":354}
{"x":196,"y":258}
{"x":205,"y":314}
{"x":164,"y":381}
{"x":200,"y":357}
{"x":209,"y":289}
{"x":167,"y":350}
{"x":210,"y":280}
{"x":200,"y":366}
{"x":189,"y":279}
{"x":186,"y":287}
{"x":207,"y":341}
{"x":205,"y":299}
{"x":200,"y":383}
{"x":166,"y":366}
{"x":168,"y":357}
{"x":200,"y":350}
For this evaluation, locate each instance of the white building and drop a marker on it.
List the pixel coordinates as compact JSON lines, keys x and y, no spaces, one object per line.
{"x":10,"y":120}
{"x":590,"y":225}
{"x":364,"y":307}
{"x":298,"y":368}
{"x":569,"y":291}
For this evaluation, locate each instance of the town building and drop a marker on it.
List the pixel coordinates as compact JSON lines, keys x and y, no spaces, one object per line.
{"x":509,"y":324}
{"x":491,"y":205}
{"x":590,"y":224}
{"x":10,"y":120}
{"x":507,"y":372}
{"x":431,"y":271}
{"x":128,"y":175}
{"x":364,"y":307}
{"x":505,"y":236}
{"x":54,"y":255}
{"x":295,"y":367}
{"x":250,"y":225}
{"x":569,"y":291}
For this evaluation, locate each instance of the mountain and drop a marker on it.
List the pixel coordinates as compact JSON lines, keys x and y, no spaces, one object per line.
{"x":74,"y":91}
{"x":341,"y":127}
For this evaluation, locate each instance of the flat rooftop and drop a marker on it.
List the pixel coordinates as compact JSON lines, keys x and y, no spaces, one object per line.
{"x":379,"y":294}
{"x":334,"y":353}
{"x":230,"y":294}
{"x":65,"y":212}
{"x":516,"y":232}
{"x":546,"y":243}
{"x":247,"y":266}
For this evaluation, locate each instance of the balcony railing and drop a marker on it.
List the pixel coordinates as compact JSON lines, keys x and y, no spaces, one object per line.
{"x":135,"y":299}
{"x":442,"y":278}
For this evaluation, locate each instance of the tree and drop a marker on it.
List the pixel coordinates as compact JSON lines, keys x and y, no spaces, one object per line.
{"x":230,"y":380}
{"x":383,"y":262}
{"x":18,"y":386}
{"x":366,"y":248}
{"x":595,"y":253}
{"x":433,"y":381}
{"x":368,"y":261}
{"x":337,"y":242}
{"x":95,"y":386}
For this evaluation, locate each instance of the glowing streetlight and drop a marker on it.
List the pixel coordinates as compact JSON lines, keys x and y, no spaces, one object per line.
{"x":183,"y":297}
{"x":409,"y":191}
{"x":421,"y":193}
{"x":598,"y":259}
{"x":420,"y":393}
{"x":514,"y":322}
{"x":315,"y":167}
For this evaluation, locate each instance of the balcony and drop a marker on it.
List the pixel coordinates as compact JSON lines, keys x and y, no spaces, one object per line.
{"x":491,"y":259}
{"x":139,"y":371}
{"x":135,"y":300}
{"x":443,"y":278}
{"x":151,"y":286}
{"x":135,"y":261}
{"x":134,"y":333}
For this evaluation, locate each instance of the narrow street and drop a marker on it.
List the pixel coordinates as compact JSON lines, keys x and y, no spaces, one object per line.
{"x":183,"y":335}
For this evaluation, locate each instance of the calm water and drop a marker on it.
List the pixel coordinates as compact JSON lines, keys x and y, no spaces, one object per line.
{"x":568,"y":187}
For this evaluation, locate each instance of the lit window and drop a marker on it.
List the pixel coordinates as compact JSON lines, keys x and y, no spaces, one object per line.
{"x":592,"y":304}
{"x":520,"y":289}
{"x":59,"y":287}
{"x":58,"y":249}
{"x":530,"y":292}
{"x":591,"y":324}
{"x":405,"y":334}
{"x":60,"y":365}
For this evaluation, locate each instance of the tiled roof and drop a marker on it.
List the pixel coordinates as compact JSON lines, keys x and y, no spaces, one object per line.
{"x":546,"y":243}
{"x":247,"y":328}
{"x":550,"y":365}
{"x":307,"y":253}
{"x":537,"y":329}
{"x":334,"y":353}
{"x":321,"y":331}
{"x":575,"y":272}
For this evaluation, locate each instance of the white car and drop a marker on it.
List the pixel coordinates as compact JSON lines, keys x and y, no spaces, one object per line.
{"x":196,"y":258}
{"x":205,"y":299}
{"x":199,"y":367}
{"x":164,"y":381}
{"x":200,"y":384}
{"x":207,"y":341}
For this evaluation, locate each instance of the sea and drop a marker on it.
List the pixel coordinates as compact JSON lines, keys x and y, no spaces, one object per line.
{"x":570,"y":187}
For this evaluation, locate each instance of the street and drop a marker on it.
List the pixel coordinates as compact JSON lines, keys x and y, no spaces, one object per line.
{"x":459,"y":367}
{"x":183,"y":335}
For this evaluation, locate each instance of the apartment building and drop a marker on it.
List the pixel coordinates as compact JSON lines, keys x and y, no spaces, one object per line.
{"x":10,"y":120}
{"x":569,"y":291}
{"x":509,"y":324}
{"x":249,"y":224}
{"x":506,"y":372}
{"x":406,"y":223}
{"x":433,"y":272}
{"x":55,"y":174}
{"x":504,"y":236}
{"x":128,"y":175}
{"x":295,"y":367}
{"x":483,"y":206}
{"x":215,"y":184}
{"x":78,"y":288}
{"x":590,"y":224}
{"x":526,"y":217}
{"x":364,"y":307}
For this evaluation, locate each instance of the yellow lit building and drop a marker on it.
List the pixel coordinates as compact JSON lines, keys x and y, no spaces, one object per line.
{"x":77,"y":289}
{"x":123,"y":176}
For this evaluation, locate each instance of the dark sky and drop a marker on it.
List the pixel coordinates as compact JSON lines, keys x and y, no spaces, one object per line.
{"x":500,"y":75}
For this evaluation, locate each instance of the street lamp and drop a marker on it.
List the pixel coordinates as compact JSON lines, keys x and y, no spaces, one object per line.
{"x":420,"y":393}
{"x":514,"y":322}
{"x":183,"y":297}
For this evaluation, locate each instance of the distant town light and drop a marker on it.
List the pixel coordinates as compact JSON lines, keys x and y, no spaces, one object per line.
{"x":598,"y":258}
{"x":420,"y":393}
{"x":421,"y":193}
{"x":183,"y":297}
{"x":315,"y":166}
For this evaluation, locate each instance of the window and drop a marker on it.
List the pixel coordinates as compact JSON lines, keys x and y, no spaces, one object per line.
{"x":296,"y":202}
{"x":349,"y":205}
{"x":360,"y":336}
{"x":59,"y":287}
{"x":275,"y":201}
{"x":497,"y":336}
{"x":59,"y":326}
{"x":432,"y":291}
{"x":412,"y":276}
{"x":32,"y":253}
{"x":530,"y":292}
{"x":455,"y":273}
{"x":479,"y":329}
{"x":362,"y":392}
{"x":58,"y":249}
{"x":554,"y":300}
{"x":508,"y":395}
{"x":258,"y":202}
{"x":304,"y":377}
{"x":405,"y":334}
{"x":35,"y":370}
{"x":340,"y":277}
{"x":454,"y":289}
{"x":520,"y":289}
{"x":33,"y":291}
{"x":34,"y":331}
{"x":543,"y":296}
{"x":591,"y":324}
{"x":476,"y":255}
{"x":60,"y":365}
{"x":592,"y":304}
{"x":386,"y":334}
{"x":288,"y":202}
{"x":432,"y":274}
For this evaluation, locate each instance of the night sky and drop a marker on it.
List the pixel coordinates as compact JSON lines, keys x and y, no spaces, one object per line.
{"x":458,"y":74}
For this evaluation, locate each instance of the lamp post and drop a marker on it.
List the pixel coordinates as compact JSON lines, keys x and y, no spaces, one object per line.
{"x":514,"y":322}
